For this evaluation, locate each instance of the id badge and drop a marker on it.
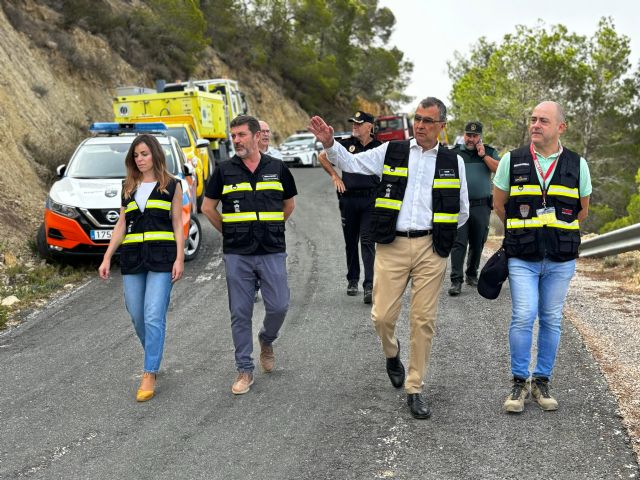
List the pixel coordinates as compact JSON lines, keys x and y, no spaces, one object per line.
{"x":546,"y":215}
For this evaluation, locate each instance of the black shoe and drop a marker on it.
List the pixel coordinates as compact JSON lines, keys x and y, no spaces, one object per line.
{"x":395,"y":369}
{"x":456,"y":288}
{"x":472,"y":281}
{"x":352,"y":289}
{"x":418,"y":407}
{"x":368,"y":295}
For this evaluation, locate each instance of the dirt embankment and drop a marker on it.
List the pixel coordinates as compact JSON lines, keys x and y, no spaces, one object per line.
{"x":53,"y":84}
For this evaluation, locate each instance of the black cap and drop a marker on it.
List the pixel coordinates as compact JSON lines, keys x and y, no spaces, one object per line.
{"x":361,"y":117}
{"x":493,"y":275}
{"x":473,"y":127}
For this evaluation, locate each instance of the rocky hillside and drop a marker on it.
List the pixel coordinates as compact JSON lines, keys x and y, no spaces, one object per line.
{"x":53,"y":84}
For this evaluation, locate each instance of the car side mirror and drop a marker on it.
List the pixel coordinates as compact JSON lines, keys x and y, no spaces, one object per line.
{"x":188,"y":169}
{"x":60,"y":170}
{"x":319,"y":146}
{"x":202,"y":143}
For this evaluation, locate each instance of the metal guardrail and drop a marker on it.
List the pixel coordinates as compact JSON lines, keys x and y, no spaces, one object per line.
{"x":619,"y":241}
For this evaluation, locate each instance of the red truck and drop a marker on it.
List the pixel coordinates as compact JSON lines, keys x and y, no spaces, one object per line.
{"x":393,"y":127}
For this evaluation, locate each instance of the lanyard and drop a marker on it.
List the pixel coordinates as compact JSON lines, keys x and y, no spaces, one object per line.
{"x":542,"y":174}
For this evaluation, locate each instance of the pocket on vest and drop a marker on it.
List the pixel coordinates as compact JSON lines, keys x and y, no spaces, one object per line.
{"x":274,"y":236}
{"x":235,"y":236}
{"x":565,"y":209}
{"x":521,"y":242}
{"x":383,"y":225}
{"x":443,"y":238}
{"x":568,"y":242}
{"x":446,"y":200}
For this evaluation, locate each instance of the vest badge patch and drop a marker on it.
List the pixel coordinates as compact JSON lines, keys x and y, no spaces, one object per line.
{"x":447,"y":173}
{"x":567,"y":211}
{"x":270,"y":176}
{"x":352,"y":148}
{"x":521,"y":179}
{"x":524,"y":211}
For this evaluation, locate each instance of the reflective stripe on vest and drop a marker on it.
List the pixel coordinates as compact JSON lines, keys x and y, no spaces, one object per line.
{"x":160,"y":204}
{"x":445,"y":217}
{"x":271,"y":216}
{"x":148,"y":237}
{"x":269,"y":186}
{"x":575,"y":225}
{"x":520,"y":223}
{"x":131,"y":206}
{"x":238,"y":187}
{"x":562,"y":191}
{"x":525,"y":190}
{"x":240,"y":217}
{"x":446,"y":183}
{"x":395,"y":171}
{"x":388,"y":203}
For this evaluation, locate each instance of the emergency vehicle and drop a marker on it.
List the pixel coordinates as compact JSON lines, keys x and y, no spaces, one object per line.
{"x":83,"y":206}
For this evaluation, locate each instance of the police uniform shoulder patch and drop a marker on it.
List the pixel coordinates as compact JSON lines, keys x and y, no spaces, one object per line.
{"x":352,"y":148}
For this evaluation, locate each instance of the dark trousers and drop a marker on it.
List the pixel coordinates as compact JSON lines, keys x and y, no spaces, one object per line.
{"x":356,"y":222}
{"x":474,"y":233}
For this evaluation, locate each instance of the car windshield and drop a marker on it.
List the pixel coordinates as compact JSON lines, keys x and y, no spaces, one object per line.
{"x":180,"y":134}
{"x":107,"y":161}
{"x":299,"y":140}
{"x":392,"y":124}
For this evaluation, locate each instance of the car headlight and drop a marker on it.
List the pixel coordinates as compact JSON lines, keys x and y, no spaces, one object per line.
{"x":61,"y":209}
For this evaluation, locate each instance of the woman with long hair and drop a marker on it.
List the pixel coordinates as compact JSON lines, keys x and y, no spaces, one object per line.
{"x":151,"y":239}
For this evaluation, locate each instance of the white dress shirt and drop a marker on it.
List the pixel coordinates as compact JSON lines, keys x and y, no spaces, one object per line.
{"x":416,"y":211}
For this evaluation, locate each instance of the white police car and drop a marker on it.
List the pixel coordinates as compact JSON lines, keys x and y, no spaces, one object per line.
{"x":301,"y":149}
{"x":83,"y":206}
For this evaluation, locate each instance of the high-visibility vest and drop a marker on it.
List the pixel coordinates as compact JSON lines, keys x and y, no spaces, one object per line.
{"x":445,"y":195}
{"x":526,"y":236}
{"x":149,"y":243}
{"x":252,"y":209}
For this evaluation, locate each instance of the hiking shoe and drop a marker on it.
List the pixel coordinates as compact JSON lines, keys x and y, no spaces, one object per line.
{"x":540,"y":393}
{"x":267,"y":358}
{"x":368,"y":295}
{"x":519,"y":392}
{"x":456,"y":288}
{"x":243,"y":383}
{"x":352,"y":289}
{"x":472,"y":281}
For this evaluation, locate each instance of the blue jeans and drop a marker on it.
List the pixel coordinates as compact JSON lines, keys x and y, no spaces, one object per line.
{"x":146,"y":296}
{"x":538,"y":289}
{"x":242,"y":272}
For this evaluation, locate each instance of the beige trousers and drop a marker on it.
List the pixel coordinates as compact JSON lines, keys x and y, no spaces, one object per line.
{"x":396,"y":263}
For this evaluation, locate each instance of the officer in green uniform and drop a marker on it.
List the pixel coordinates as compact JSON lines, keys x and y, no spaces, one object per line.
{"x":480,"y":162}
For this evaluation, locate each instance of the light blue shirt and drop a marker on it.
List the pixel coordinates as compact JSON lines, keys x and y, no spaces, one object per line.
{"x":416,"y":211}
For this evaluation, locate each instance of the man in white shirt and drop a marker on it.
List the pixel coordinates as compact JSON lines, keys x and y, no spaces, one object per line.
{"x":265,"y":139}
{"x":421,"y":201}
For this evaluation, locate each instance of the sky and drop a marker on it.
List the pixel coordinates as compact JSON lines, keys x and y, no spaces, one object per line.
{"x":430,"y":32}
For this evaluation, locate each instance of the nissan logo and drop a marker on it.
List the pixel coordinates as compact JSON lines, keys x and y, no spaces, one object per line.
{"x":112,"y":216}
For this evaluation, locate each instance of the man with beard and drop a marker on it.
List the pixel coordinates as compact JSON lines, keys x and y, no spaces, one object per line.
{"x":257,"y":196}
{"x":479,"y":161}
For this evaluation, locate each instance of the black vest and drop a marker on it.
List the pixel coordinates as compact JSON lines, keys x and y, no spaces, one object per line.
{"x":252,"y":215}
{"x":149,"y":244}
{"x":359,"y":181}
{"x":525,"y":236}
{"x":445,"y":195}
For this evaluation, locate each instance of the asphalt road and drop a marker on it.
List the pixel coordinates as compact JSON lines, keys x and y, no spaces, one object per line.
{"x":68,"y":377}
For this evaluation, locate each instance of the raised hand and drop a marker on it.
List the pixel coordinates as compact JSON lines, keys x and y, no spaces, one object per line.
{"x":322,"y":131}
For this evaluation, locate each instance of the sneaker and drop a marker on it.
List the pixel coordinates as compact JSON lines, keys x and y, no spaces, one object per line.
{"x":243,"y":383}
{"x":267,"y":358}
{"x":472,"y":281}
{"x":456,"y":288}
{"x":519,"y":392}
{"x":352,"y":289}
{"x":368,"y":295}
{"x":540,"y":393}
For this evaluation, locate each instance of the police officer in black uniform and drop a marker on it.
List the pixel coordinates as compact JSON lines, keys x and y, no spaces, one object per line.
{"x":356,"y":194}
{"x":480,"y":162}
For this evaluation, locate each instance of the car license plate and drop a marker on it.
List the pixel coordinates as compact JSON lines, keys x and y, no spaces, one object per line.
{"x":101,"y":234}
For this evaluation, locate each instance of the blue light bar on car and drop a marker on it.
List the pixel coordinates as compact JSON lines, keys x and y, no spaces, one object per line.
{"x":113,"y":128}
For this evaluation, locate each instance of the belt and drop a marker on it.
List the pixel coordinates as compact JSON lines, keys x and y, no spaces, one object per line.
{"x":360,"y":192}
{"x":480,"y":201}
{"x":414,"y":233}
